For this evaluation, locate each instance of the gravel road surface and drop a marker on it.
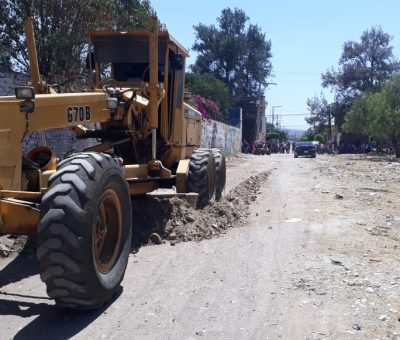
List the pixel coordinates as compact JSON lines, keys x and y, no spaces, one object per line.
{"x":316,"y":259}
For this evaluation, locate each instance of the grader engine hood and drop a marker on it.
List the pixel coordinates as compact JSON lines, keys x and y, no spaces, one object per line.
{"x":50,"y":111}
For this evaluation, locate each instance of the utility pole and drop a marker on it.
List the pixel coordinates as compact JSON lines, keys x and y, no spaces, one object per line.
{"x":266,"y":104}
{"x":273,"y":113}
{"x":330,"y":130}
{"x":260,"y":121}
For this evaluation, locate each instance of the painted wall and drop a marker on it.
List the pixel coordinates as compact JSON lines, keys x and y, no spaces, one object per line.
{"x":215,"y":134}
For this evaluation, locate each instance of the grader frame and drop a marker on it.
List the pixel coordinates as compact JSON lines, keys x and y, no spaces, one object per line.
{"x":147,"y":138}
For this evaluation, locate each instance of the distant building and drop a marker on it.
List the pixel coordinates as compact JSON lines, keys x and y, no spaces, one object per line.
{"x":254,"y":121}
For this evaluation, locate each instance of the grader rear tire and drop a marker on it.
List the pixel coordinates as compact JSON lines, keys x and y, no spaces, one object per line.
{"x":202,"y":176}
{"x":85,"y":231}
{"x":220,"y":167}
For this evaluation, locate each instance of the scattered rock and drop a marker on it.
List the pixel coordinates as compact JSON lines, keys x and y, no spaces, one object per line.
{"x":172,"y":236}
{"x":4,"y":250}
{"x":190,"y":218}
{"x":338,"y":197}
{"x":357,"y":327}
{"x":155,"y":238}
{"x":336,"y":262}
{"x":7,"y":241}
{"x":177,"y":221}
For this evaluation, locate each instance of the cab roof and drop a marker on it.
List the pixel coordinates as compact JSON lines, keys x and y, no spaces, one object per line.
{"x":135,"y":36}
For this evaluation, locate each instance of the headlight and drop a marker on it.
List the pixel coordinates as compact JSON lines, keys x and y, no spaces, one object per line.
{"x":112,"y":103}
{"x":25,"y":92}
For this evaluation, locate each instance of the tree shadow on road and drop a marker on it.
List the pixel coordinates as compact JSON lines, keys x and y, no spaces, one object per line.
{"x":52,"y":322}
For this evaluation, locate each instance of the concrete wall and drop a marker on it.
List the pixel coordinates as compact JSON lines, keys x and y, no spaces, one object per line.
{"x":219,"y":135}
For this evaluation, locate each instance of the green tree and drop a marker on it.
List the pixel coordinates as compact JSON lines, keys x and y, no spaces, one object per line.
{"x":318,"y":108}
{"x":378,"y":114}
{"x":208,"y":87}
{"x":363,"y":68}
{"x":235,"y":52}
{"x":239,"y":54}
{"x":5,"y":62}
{"x":281,"y":135}
{"x":61,"y":29}
{"x":312,"y":136}
{"x":131,"y":14}
{"x":359,"y":117}
{"x":320,"y":137}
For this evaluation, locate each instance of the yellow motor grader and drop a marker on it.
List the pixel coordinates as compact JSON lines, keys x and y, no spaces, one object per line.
{"x":146,"y":138}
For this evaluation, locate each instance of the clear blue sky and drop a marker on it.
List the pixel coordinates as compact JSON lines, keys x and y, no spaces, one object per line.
{"x":307,"y":38}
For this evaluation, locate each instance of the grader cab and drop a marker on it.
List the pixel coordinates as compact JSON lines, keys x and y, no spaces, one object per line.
{"x":145,"y":137}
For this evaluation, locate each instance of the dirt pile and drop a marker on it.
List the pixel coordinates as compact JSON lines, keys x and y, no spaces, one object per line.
{"x":156,"y":220}
{"x":175,"y":220}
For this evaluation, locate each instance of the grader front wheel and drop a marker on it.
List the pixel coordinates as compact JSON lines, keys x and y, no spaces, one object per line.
{"x":84,"y":231}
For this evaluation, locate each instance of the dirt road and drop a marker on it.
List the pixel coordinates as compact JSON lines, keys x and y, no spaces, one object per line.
{"x":317,"y":259}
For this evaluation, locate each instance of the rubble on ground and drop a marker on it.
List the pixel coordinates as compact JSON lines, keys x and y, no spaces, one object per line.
{"x":11,"y":244}
{"x":176,"y":221}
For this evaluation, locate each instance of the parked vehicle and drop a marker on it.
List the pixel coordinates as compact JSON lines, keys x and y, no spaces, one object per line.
{"x":305,"y":149}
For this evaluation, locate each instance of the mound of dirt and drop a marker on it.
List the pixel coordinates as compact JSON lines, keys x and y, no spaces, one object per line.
{"x":155,"y":220}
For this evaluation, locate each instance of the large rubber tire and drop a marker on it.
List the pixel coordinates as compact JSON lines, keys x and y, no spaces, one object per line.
{"x":202,"y":176}
{"x":220,"y":167}
{"x":85,"y":231}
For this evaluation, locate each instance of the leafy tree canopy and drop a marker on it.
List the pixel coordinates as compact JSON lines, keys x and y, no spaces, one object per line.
{"x":208,"y":87}
{"x":363,"y":68}
{"x":312,"y":136}
{"x":318,"y":108}
{"x":378,"y":114}
{"x":273,"y":135}
{"x":277,"y":134}
{"x":235,"y":52}
{"x":320,"y":137}
{"x":61,"y":29}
